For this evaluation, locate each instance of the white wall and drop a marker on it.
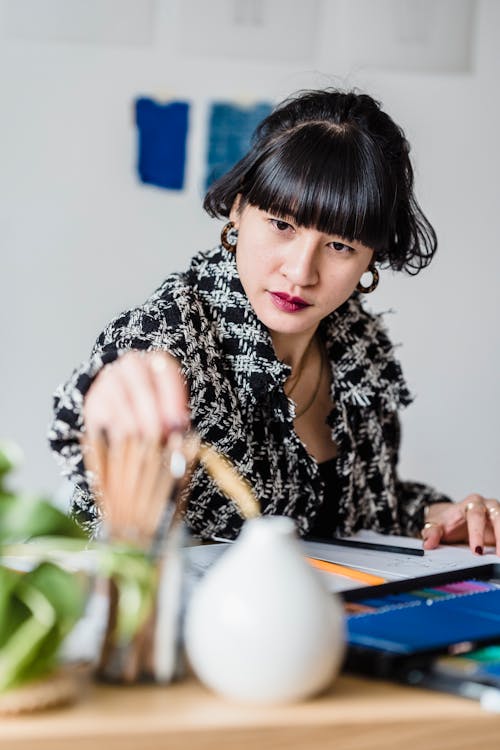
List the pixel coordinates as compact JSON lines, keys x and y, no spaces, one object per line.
{"x":81,"y":239}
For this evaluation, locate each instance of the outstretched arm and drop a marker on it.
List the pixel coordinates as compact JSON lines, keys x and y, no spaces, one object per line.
{"x":131,"y":384}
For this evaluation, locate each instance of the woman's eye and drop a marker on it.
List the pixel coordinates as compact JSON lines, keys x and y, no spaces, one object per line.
{"x":341,"y":247}
{"x":280,"y":225}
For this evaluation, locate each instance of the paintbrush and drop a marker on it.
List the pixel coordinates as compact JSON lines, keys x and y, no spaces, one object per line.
{"x":230,"y":481}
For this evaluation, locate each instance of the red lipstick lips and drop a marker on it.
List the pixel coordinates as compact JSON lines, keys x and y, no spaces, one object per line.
{"x":287,"y":303}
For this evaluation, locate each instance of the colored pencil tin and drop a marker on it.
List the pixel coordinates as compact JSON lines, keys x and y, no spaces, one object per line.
{"x":397,"y":626}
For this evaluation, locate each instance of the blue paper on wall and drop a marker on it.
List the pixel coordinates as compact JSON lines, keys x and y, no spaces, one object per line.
{"x":230,"y":133}
{"x":162,"y":130}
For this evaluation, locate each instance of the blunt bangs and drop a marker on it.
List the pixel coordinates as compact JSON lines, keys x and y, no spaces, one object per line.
{"x":325,"y":177}
{"x":335,"y":161}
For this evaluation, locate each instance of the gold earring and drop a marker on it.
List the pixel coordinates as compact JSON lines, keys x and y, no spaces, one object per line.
{"x":375,"y":279}
{"x":229,"y":237}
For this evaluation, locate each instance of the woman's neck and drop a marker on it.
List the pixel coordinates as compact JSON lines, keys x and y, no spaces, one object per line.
{"x":293,"y":349}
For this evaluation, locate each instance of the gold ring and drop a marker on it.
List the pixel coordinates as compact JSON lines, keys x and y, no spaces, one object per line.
{"x":429,"y":525}
{"x":158,"y":364}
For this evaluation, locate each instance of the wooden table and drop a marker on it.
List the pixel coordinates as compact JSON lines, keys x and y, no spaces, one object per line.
{"x":356,"y":714}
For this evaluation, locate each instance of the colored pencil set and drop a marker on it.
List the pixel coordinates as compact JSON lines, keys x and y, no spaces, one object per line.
{"x":428,"y":619}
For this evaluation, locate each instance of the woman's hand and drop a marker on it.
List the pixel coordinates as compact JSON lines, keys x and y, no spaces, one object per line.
{"x":476,"y":520}
{"x":141,"y":394}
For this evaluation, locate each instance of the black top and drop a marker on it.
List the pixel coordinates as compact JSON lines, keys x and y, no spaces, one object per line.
{"x":325,"y":522}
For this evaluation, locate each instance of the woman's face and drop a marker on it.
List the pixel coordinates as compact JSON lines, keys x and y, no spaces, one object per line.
{"x":293,"y":276}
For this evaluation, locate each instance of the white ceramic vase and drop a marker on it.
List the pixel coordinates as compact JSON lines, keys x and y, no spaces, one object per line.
{"x":260,"y":626}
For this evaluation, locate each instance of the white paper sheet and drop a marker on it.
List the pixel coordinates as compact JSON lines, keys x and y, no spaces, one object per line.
{"x":388,"y":565}
{"x":394,"y":566}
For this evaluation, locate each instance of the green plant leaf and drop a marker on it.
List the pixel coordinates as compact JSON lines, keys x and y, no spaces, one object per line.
{"x":52,"y":600}
{"x":23,"y":517}
{"x":136,"y":578}
{"x":40,"y":607}
{"x":20,"y":651}
{"x":66,"y":593}
{"x":12,"y":612}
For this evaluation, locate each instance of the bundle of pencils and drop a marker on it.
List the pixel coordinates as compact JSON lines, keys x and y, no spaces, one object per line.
{"x":138,"y":482}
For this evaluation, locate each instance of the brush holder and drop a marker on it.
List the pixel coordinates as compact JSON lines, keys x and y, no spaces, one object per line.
{"x":144,"y":598}
{"x":144,"y":581}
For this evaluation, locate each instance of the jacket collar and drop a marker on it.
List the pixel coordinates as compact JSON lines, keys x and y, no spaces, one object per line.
{"x":245,"y":341}
{"x":364,"y":369}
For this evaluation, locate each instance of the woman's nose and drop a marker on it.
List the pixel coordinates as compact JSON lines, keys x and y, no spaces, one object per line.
{"x":300,"y":264}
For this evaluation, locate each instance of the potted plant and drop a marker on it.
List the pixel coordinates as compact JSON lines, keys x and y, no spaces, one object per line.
{"x":38,"y":605}
{"x":41,"y":599}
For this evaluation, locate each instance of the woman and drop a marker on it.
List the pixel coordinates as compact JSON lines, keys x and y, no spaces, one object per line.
{"x":263,"y":344}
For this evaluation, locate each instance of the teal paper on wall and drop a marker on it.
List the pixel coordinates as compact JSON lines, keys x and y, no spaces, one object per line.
{"x":162,"y":135}
{"x":229,"y":136}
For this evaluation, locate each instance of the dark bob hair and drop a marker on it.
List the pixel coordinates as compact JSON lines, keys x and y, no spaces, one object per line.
{"x":334,"y":161}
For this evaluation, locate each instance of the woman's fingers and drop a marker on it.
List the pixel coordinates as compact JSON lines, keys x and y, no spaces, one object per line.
{"x":475,"y":520}
{"x":135,"y":379}
{"x":104,"y":410}
{"x":482,"y":516}
{"x":432,"y":533}
{"x":474,"y":510}
{"x":140,"y":394}
{"x":170,"y":391}
{"x":493,"y":511}
{"x":444,"y":522}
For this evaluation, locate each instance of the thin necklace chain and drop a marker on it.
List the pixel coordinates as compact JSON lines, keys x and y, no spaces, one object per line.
{"x":315,"y":392}
{"x":316,"y":389}
{"x":301,"y":369}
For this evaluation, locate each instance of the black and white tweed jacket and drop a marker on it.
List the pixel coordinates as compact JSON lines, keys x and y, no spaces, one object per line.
{"x":204,"y":319}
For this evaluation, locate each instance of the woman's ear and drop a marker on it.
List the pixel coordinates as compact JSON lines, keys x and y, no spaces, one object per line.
{"x":234,"y":214}
{"x":370,"y":262}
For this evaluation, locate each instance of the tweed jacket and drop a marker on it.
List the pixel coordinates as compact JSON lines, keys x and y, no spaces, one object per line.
{"x":204,"y":319}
